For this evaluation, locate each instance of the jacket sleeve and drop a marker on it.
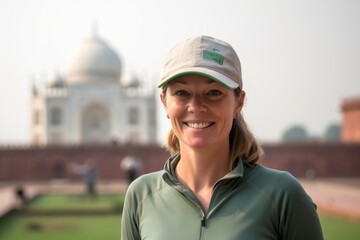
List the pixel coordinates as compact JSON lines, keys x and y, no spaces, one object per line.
{"x":298,"y":216}
{"x":129,"y":221}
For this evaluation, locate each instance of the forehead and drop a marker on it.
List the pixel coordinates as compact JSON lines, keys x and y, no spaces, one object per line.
{"x":193,"y":79}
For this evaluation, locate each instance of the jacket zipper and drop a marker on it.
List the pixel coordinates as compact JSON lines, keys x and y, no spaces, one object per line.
{"x":203,"y":227}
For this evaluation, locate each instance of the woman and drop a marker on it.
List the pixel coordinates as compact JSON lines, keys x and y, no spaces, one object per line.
{"x":212,"y":186}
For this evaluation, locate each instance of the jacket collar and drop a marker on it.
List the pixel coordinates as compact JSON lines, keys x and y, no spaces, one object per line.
{"x":171,"y":163}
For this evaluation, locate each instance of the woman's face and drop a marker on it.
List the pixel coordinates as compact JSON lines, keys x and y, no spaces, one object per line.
{"x":201,"y":110}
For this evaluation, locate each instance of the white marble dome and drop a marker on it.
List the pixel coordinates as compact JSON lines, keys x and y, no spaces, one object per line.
{"x":94,"y":62}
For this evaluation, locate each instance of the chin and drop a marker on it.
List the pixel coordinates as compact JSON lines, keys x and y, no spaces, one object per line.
{"x":199,"y":144}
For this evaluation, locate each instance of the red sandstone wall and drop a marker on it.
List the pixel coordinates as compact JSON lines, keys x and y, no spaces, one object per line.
{"x":301,"y":159}
{"x":54,"y":162}
{"x":317,"y":159}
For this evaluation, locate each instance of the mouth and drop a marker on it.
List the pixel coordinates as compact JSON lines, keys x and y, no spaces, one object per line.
{"x":199,"y":125}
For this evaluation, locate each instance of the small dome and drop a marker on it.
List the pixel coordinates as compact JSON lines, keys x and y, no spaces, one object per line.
{"x":94,"y":62}
{"x":56,"y":81}
{"x":131,"y":81}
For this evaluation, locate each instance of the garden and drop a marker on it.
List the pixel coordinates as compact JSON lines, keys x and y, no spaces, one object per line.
{"x":72,"y":216}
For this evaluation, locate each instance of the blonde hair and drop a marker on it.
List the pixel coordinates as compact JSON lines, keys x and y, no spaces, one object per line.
{"x":243,"y":143}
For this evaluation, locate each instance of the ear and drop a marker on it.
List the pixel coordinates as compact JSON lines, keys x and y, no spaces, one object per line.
{"x":240,"y":103}
{"x":163,"y":100}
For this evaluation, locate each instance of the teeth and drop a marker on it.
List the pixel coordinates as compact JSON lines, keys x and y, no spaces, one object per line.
{"x":198,"y":125}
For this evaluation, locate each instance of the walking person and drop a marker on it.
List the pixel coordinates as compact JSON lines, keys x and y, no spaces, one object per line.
{"x":89,"y":172}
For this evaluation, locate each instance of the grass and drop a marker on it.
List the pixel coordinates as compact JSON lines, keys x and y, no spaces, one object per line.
{"x":335,"y":227}
{"x":54,"y":227}
{"x":59,"y":228}
{"x":78,"y":202}
{"x":91,"y":227}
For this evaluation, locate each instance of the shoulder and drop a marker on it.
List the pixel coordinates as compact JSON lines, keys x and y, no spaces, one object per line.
{"x":294,"y":210}
{"x":145,"y":185}
{"x":278,"y":184}
{"x":273,"y":177}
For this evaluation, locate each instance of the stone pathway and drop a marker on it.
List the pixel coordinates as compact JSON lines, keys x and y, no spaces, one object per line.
{"x":341,"y":197}
{"x":9,"y":201}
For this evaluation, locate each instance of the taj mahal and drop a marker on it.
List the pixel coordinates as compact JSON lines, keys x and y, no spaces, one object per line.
{"x":90,"y":103}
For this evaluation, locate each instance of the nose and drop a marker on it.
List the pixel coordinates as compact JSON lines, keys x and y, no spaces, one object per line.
{"x":196,"y":105}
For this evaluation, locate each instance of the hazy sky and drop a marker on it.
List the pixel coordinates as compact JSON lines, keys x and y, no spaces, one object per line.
{"x":300,"y":58}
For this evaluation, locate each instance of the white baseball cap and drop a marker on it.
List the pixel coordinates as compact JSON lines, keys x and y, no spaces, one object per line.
{"x":203,"y":55}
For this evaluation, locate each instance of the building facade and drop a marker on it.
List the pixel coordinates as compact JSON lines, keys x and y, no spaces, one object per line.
{"x":351,"y":120}
{"x":89,"y":104}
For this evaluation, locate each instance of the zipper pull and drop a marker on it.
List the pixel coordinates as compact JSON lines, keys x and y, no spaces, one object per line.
{"x":203,"y":227}
{"x":203,"y":222}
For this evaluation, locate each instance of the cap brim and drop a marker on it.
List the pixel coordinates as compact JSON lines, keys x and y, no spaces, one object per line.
{"x":217,"y":77}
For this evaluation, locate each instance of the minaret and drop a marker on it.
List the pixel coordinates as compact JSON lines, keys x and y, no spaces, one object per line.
{"x":35,"y":91}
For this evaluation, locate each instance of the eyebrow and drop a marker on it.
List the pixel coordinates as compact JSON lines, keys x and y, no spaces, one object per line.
{"x":179,"y":80}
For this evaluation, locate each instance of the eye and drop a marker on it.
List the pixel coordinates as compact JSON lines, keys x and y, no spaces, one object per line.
{"x":214,"y":92}
{"x":181,"y":93}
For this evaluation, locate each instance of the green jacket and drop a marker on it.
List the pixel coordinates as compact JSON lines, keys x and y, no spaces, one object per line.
{"x":250,"y":203}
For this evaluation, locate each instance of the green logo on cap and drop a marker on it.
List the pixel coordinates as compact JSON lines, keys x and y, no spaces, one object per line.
{"x":214,"y":56}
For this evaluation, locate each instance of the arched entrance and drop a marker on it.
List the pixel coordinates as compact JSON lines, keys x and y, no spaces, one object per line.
{"x":95,"y":124}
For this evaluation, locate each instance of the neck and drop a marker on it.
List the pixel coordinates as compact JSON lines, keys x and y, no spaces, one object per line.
{"x":202,"y":168}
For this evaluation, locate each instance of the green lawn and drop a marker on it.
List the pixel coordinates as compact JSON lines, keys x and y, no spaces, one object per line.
{"x":78,"y":202}
{"x":335,"y":228}
{"x":89,"y":227}
{"x":59,"y":228}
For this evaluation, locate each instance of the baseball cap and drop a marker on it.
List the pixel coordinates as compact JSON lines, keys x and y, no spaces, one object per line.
{"x":205,"y":56}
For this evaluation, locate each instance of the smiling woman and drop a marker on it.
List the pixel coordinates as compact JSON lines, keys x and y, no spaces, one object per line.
{"x":212,"y":186}
{"x":201,"y":112}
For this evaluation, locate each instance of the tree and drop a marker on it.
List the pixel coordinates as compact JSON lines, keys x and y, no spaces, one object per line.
{"x":295,"y":133}
{"x":333,"y":133}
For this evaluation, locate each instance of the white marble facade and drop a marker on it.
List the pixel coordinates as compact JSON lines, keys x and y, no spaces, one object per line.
{"x":88,"y":104}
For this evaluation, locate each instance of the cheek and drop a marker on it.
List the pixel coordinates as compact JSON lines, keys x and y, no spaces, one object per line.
{"x":227,"y":109}
{"x":174,"y":108}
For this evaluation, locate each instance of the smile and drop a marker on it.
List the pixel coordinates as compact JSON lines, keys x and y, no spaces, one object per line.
{"x":198,"y":125}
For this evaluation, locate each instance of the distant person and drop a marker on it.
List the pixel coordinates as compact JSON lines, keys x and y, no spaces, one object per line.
{"x":90,"y":178}
{"x":89,"y":171}
{"x":21,"y":195}
{"x":131,"y":166}
{"x":212,"y":186}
